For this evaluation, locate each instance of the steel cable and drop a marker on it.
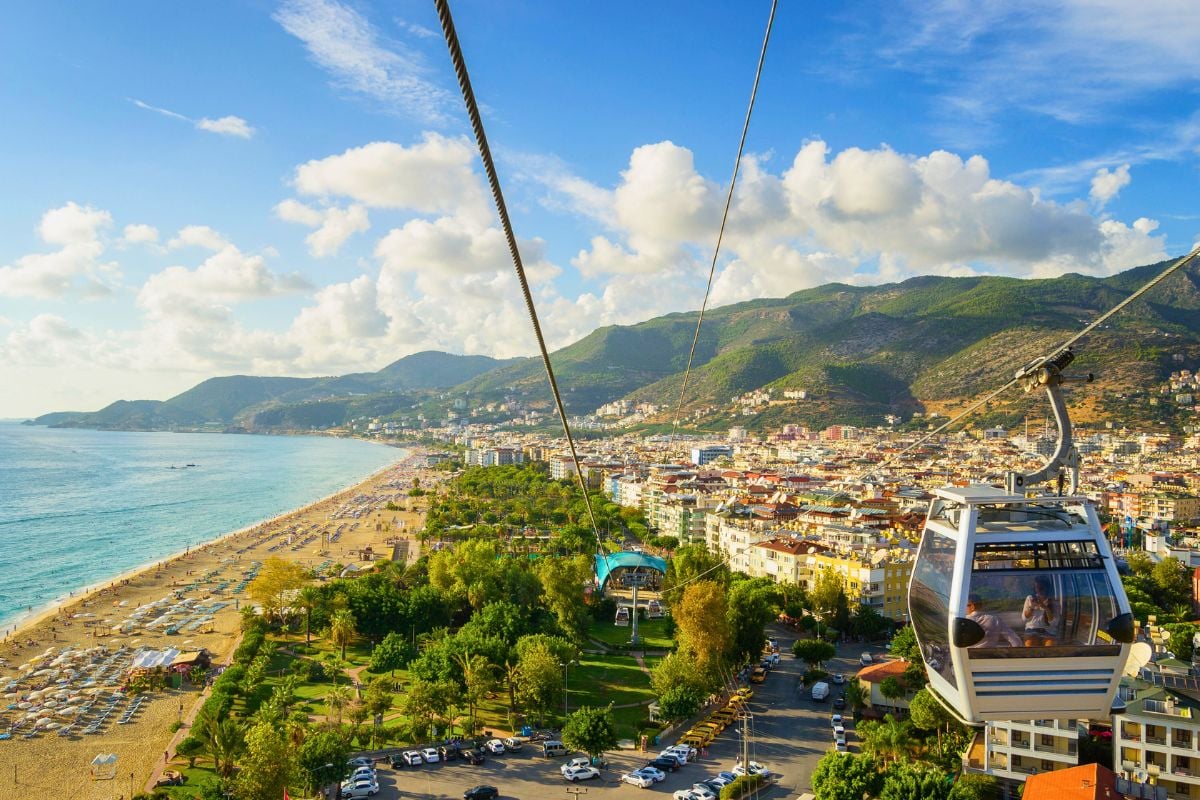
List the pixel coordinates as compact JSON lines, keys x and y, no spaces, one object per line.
{"x":712,"y":267}
{"x":489,"y":166}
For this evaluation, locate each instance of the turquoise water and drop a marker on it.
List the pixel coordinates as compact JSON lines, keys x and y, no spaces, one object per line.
{"x":78,"y":507}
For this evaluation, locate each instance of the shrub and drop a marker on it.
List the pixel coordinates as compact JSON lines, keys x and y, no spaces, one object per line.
{"x":742,"y":786}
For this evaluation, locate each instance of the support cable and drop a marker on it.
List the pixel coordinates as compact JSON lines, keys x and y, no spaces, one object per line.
{"x":489,"y":166}
{"x":712,"y":267}
{"x":1166,"y":273}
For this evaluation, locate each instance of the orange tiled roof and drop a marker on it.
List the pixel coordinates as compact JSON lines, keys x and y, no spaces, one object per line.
{"x":888,"y":669}
{"x":1085,"y":782}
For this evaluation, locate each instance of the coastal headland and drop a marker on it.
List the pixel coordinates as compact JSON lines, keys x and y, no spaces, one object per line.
{"x":61,"y":670}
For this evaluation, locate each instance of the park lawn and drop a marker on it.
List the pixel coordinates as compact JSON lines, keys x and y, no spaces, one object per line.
{"x":653,"y":633}
{"x":600,"y":680}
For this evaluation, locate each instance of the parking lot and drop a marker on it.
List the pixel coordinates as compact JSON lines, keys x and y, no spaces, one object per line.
{"x":789,"y":734}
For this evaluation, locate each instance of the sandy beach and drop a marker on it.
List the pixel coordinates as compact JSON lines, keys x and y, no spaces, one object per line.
{"x":61,"y":667}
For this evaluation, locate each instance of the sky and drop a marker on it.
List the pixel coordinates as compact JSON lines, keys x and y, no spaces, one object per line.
{"x":291,"y":188}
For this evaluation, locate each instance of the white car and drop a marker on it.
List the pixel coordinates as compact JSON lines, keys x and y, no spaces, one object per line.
{"x":430,"y":754}
{"x":866,"y":658}
{"x":655,"y":774}
{"x":679,"y":757}
{"x":494,"y":746}
{"x":705,"y":791}
{"x":574,"y":774}
{"x":637,"y":779}
{"x":361,"y":761}
{"x":360,"y":774}
{"x":578,"y":761}
{"x":720,"y":780}
{"x":755,"y":769}
{"x":688,"y":752}
{"x":835,"y":720}
{"x":840,"y":745}
{"x":413,"y":758}
{"x":839,"y":732}
{"x":363,"y":788}
{"x":687,"y":794}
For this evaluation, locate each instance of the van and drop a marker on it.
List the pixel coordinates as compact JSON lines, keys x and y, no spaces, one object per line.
{"x":554,"y":749}
{"x":820,"y":690}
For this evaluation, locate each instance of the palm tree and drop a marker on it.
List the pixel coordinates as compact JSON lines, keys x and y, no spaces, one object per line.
{"x":336,"y":701}
{"x":342,"y":629}
{"x":223,"y":741}
{"x":306,"y":601}
{"x":512,"y":676}
{"x":895,"y":737}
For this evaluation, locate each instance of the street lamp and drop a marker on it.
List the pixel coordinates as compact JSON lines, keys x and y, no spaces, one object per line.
{"x":308,"y":775}
{"x":564,"y":665}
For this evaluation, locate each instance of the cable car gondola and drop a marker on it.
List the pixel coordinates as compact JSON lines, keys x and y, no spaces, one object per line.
{"x":1015,"y":600}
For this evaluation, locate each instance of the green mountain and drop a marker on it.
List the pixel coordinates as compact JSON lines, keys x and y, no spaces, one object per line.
{"x":834,"y":353}
{"x":860,"y":353}
{"x":251,"y":402}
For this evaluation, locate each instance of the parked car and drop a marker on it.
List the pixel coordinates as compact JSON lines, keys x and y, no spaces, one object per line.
{"x":575,"y":774}
{"x":706,"y":791}
{"x":687,"y":751}
{"x":866,"y":658}
{"x":473,"y":757}
{"x":720,"y":780}
{"x":449,"y":752}
{"x":430,"y":754}
{"x":839,"y":703}
{"x":396,"y":760}
{"x":577,"y":761}
{"x":362,"y":773}
{"x":680,"y":758}
{"x":835,"y":721}
{"x":637,"y":779}
{"x":755,"y":769}
{"x":840,"y":746}
{"x":653,"y":773}
{"x":687,"y":794}
{"x":413,"y":758}
{"x":728,"y":777}
{"x":839,"y":678}
{"x":363,"y":788}
{"x":839,"y":732}
{"x":665,"y":763}
{"x":361,"y":761}
{"x":481,"y":793}
{"x":494,"y":746}
{"x":513,"y":743}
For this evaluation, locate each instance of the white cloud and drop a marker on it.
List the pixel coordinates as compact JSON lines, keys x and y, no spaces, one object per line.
{"x":1107,"y":184}
{"x":992,"y":56}
{"x":198,"y":236}
{"x":74,"y":267}
{"x":344,"y":326}
{"x":227,"y":276}
{"x":335,"y":225}
{"x":345,"y":44}
{"x":73,"y":224}
{"x":140,"y":234}
{"x":434,"y":176}
{"x":227,"y":126}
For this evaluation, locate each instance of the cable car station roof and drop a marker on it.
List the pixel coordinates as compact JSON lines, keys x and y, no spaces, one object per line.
{"x":606,"y":565}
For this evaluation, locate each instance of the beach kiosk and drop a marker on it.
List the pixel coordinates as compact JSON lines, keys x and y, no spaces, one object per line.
{"x":104,"y":767}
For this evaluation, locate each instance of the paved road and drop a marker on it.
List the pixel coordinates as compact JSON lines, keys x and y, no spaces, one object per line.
{"x":789,"y":734}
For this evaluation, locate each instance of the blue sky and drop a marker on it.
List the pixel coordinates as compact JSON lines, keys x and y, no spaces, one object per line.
{"x":287,"y":188}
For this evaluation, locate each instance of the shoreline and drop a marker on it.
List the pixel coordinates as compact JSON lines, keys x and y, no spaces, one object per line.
{"x":15,"y":624}
{"x":189,"y":601}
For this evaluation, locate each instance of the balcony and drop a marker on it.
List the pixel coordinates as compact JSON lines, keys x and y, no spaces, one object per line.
{"x":1182,"y":743}
{"x":1158,"y":740}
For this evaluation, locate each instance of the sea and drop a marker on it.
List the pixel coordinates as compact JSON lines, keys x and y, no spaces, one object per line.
{"x":80,"y":507}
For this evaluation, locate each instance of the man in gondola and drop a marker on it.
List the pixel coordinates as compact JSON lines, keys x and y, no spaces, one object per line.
{"x":995,"y":631}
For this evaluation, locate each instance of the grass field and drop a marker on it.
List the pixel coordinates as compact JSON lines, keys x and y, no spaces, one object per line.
{"x":654,"y":634}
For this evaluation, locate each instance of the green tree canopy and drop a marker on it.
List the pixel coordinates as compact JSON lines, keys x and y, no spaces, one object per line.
{"x":753,"y":604}
{"x":845,"y":776}
{"x":914,"y":781}
{"x":322,"y":757}
{"x":680,"y":702}
{"x":393,"y":653}
{"x":268,"y":765}
{"x":971,"y":786}
{"x":591,"y":730}
{"x":814,"y":652}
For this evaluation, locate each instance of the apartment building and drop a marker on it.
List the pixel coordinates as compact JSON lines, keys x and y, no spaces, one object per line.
{"x":875,"y":576}
{"x":1014,"y":750}
{"x":783,"y":560}
{"x":1157,"y":739}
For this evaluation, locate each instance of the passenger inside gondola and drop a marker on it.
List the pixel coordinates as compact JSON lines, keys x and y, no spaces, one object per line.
{"x":1041,"y":614}
{"x":996,"y":632}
